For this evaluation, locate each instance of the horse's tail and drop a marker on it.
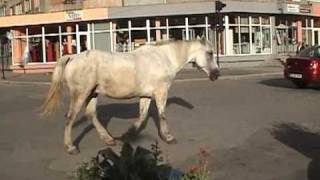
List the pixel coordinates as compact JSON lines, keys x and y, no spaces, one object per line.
{"x":52,"y":99}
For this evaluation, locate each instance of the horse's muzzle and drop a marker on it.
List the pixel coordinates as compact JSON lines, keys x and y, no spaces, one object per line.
{"x":214,"y":74}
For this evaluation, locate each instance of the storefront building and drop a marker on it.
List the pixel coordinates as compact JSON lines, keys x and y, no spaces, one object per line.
{"x":250,"y":34}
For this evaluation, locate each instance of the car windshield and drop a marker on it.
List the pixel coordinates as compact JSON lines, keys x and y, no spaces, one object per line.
{"x":310,"y":52}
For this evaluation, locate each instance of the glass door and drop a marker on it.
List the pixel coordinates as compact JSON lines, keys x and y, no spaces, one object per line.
{"x":316,"y":34}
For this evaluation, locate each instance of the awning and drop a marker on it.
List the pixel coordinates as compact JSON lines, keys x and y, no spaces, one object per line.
{"x":161,"y":10}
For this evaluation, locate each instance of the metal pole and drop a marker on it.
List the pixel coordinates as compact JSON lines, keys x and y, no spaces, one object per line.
{"x":2,"y":64}
{"x":217,"y":42}
{"x":217,"y":38}
{"x":2,"y":59}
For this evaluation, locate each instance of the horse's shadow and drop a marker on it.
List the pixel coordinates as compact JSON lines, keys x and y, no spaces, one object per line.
{"x":303,"y":141}
{"x":125,"y":111}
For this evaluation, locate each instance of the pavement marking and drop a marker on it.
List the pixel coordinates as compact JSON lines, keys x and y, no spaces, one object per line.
{"x":230,"y":77}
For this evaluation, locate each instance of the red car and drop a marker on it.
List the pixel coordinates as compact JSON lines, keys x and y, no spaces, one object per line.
{"x":304,"y":68}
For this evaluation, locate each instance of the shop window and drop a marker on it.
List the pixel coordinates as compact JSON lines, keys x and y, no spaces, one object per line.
{"x":138,"y":33}
{"x":197,"y":32}
{"x":244,"y":20}
{"x":122,"y":41}
{"x":158,"y":35}
{"x":256,"y":39}
{"x":36,"y":5}
{"x":35,"y":31}
{"x":221,"y":40}
{"x":177,"y":21}
{"x":138,"y":23}
{"x":292,"y":33}
{"x":11,"y":11}
{"x":27,"y":5}
{"x":69,"y":42}
{"x":233,"y":44}
{"x":138,"y":38}
{"x":36,"y":49}
{"x":158,"y":30}
{"x":102,"y":39}
{"x":197,"y":27}
{"x":304,"y":37}
{"x":121,"y":36}
{"x":19,"y":44}
{"x":196,"y":20}
{"x":52,"y":30}
{"x":309,"y":34}
{"x":17,"y":9}
{"x":177,"y":28}
{"x":266,"y":40}
{"x":308,"y":21}
{"x":245,"y":40}
{"x":52,"y":47}
{"x":316,"y":23}
{"x":3,"y":10}
{"x":233,"y":19}
{"x":255,"y":20}
{"x":177,"y":34}
{"x":265,"y":20}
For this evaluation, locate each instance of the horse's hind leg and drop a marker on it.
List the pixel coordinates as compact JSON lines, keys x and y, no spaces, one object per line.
{"x":161,"y":100}
{"x":92,"y":114}
{"x":76,"y":101}
{"x":141,"y":123}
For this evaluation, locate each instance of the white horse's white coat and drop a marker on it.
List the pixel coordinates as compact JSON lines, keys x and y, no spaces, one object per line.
{"x":147,"y":73}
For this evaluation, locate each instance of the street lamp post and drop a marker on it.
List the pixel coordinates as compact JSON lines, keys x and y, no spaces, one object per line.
{"x":2,"y":49}
{"x":218,"y":25}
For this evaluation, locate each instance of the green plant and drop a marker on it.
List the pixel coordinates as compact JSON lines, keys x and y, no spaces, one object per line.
{"x":88,"y":170}
{"x":200,"y":170}
{"x":139,"y":164}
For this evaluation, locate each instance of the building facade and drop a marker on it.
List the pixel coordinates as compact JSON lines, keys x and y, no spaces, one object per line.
{"x":36,"y":33}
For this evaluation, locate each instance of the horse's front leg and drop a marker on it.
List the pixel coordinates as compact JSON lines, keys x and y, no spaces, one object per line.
{"x":161,"y":100}
{"x":141,"y":123}
{"x":92,"y":114}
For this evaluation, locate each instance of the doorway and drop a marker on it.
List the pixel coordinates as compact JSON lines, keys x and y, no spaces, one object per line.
{"x":316,"y":35}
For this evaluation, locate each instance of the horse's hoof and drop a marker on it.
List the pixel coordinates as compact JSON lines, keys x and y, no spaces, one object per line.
{"x":111,"y":142}
{"x":169,"y":139}
{"x":72,"y":150}
{"x":172,"y":141}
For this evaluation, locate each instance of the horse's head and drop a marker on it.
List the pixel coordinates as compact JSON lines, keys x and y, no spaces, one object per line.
{"x":201,"y":56}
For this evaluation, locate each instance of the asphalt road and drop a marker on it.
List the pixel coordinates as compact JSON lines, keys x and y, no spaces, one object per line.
{"x":254,"y":129}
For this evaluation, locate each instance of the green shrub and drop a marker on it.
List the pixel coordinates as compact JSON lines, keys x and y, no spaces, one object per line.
{"x":139,"y":164}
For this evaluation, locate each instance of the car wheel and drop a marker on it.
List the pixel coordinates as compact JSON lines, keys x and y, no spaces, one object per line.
{"x":301,"y":84}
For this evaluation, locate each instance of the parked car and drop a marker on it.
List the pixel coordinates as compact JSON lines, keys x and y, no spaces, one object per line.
{"x":304,"y":68}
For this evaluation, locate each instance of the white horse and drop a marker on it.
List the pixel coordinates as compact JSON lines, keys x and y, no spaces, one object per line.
{"x":147,"y":73}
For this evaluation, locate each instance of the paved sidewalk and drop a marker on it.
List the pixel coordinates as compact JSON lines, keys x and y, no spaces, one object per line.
{"x":187,"y":74}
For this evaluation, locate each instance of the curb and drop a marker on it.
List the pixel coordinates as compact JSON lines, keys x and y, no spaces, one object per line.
{"x":229,"y":77}
{"x":232,"y":77}
{"x":8,"y":82}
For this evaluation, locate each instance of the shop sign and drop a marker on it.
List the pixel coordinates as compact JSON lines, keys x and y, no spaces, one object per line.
{"x":74,"y":15}
{"x":305,"y":9}
{"x":293,"y":8}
